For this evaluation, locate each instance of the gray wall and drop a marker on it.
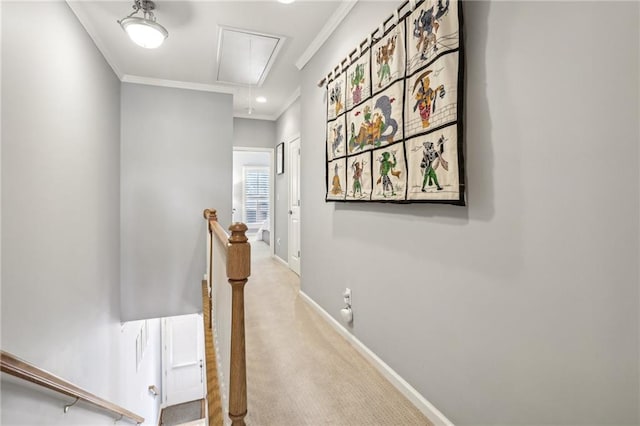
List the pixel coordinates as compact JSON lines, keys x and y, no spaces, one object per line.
{"x":253,"y":133}
{"x":523,"y":307}
{"x":176,"y":161}
{"x":287,"y":127}
{"x":60,"y":220}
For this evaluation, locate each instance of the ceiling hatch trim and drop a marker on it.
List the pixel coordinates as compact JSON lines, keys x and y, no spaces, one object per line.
{"x":245,"y":57}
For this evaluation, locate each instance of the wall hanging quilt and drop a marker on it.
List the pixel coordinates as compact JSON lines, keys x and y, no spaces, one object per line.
{"x":394,"y":130}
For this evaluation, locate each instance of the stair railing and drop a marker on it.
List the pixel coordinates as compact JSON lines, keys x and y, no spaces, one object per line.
{"x":238,"y":269}
{"x":11,"y":364}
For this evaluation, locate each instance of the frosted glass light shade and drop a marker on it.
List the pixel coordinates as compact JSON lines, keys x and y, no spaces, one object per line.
{"x":144,"y":32}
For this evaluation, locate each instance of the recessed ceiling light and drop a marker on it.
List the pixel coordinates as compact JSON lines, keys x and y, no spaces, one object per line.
{"x":286,"y":1}
{"x":261,"y":99}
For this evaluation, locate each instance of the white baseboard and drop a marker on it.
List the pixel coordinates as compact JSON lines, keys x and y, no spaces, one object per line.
{"x":427,"y":408}
{"x":279,"y":259}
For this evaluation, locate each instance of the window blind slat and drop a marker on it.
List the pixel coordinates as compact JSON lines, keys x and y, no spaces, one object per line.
{"x":256,"y":195}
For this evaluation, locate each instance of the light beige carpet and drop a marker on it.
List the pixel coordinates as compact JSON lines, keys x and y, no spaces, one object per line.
{"x":302,"y":372}
{"x":182,"y":413}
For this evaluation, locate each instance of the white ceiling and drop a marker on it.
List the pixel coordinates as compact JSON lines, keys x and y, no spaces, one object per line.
{"x":188,"y":56}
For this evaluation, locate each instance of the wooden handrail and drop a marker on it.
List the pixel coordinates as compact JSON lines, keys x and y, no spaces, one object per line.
{"x":215,"y":228}
{"x":17,"y":367}
{"x":238,"y":265}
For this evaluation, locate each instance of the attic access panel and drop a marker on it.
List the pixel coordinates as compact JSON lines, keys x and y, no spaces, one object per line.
{"x":245,"y":57}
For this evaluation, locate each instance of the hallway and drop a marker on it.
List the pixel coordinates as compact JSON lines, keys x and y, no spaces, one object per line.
{"x":299,"y":370}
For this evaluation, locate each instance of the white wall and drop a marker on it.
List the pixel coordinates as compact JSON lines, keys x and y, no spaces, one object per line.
{"x":253,"y":133}
{"x":287,"y":127}
{"x":523,"y":307}
{"x":60,"y":218}
{"x":176,"y":161}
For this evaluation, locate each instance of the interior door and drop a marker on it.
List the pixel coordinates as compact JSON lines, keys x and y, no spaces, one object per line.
{"x":182,"y":359}
{"x":294,"y":205}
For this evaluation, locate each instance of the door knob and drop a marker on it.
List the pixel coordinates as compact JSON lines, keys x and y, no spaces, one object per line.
{"x":290,"y":211}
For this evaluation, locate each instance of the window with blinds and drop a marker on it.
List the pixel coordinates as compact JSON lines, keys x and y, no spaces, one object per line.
{"x":255,"y":194}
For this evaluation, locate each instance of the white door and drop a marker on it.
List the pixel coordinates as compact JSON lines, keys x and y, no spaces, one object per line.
{"x":182,"y":359}
{"x":294,"y":205}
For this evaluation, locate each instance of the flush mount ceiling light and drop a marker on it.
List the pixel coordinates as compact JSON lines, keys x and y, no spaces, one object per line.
{"x":144,"y":31}
{"x":261,"y":99}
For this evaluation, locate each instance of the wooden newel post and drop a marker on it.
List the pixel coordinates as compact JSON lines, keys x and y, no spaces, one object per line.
{"x":210,"y":214}
{"x":238,"y":270}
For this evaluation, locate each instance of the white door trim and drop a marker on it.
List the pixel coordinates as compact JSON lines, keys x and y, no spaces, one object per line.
{"x":272,"y":195}
{"x":288,"y":142}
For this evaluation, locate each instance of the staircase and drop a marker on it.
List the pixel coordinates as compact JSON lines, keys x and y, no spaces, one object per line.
{"x":228,"y":259}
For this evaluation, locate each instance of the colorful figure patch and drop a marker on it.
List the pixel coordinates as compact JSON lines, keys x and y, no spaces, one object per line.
{"x":433,"y":165}
{"x":393,"y":127}
{"x":387,"y":112}
{"x":336,"y":180}
{"x":434,"y":30}
{"x":336,"y":138}
{"x":359,"y":177}
{"x":432,"y":96}
{"x":426,"y":97}
{"x":358,"y":80}
{"x":336,"y":186}
{"x":336,"y":96}
{"x":383,"y":57}
{"x":388,"y":58}
{"x":431,"y":159}
{"x":376,"y":124}
{"x":361,"y":132}
{"x":389,"y":173}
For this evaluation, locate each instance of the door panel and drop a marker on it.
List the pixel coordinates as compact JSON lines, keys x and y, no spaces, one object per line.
{"x":294,"y":206}
{"x":183,"y":354}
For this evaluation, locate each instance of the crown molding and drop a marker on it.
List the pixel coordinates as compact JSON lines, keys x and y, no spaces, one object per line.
{"x":96,"y":40}
{"x":290,"y":100}
{"x":253,"y":116}
{"x":202,"y":87}
{"x":332,"y":23}
{"x":76,"y":8}
{"x":177,"y":84}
